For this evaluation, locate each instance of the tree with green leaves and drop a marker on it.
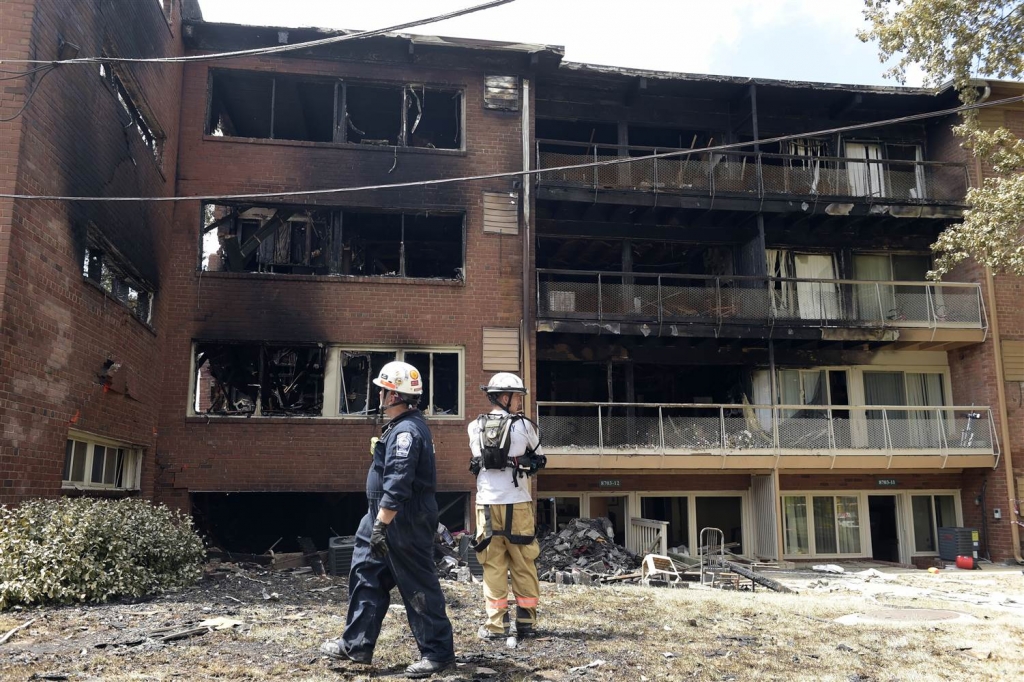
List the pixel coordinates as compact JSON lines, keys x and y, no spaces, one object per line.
{"x":959,"y":41}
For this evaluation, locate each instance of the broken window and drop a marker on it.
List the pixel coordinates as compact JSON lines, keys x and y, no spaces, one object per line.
{"x":325,"y":241}
{"x":402,"y":245}
{"x":440,"y":372}
{"x":373,"y":114}
{"x":91,"y":464}
{"x":290,"y":107}
{"x":113,"y":275}
{"x":358,"y":369}
{"x":140,"y":119}
{"x":267,"y":106}
{"x":433,"y":117}
{"x":258,"y":380}
{"x":282,"y":240}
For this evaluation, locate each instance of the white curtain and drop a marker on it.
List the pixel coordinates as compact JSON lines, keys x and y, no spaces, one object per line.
{"x":761,"y":388}
{"x":924,"y":390}
{"x":779,"y":263}
{"x":865,"y":178}
{"x":873,"y":268}
{"x":816,"y":300}
{"x":811,"y":166}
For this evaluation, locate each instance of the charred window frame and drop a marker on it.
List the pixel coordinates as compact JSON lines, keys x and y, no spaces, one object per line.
{"x":140,"y":118}
{"x":258,"y":379}
{"x":255,"y":105}
{"x":265,"y":239}
{"x":441,"y":370}
{"x":391,"y":244}
{"x":366,"y":243}
{"x":112,"y":273}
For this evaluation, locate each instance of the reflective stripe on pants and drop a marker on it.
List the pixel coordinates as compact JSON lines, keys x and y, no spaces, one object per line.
{"x":502,"y":558}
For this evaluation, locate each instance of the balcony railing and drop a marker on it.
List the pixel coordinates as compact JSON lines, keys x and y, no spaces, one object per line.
{"x":756,"y":173}
{"x":657,"y":299}
{"x":686,"y":429}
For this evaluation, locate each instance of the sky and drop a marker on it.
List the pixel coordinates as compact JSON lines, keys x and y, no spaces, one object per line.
{"x":811,"y":40}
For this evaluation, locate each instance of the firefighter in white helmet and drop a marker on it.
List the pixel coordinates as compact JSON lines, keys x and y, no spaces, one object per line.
{"x":506,"y":449}
{"x":395,"y":540}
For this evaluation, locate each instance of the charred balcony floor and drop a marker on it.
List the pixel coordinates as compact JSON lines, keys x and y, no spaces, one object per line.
{"x":749,"y":181}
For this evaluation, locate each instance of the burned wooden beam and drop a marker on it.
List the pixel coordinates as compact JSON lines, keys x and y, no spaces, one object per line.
{"x":238,"y":254}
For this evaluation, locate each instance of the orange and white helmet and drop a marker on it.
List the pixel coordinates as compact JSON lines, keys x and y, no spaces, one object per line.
{"x":400,"y":377}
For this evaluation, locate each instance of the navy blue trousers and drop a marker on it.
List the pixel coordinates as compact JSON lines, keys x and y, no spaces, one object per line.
{"x":409,"y":565}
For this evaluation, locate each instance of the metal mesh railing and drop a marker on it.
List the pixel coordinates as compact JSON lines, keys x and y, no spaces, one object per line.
{"x":645,"y":298}
{"x":610,"y":428}
{"x":761,"y":174}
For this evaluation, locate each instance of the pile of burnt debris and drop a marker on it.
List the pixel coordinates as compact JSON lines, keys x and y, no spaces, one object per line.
{"x":454,"y":557}
{"x":584,"y":553}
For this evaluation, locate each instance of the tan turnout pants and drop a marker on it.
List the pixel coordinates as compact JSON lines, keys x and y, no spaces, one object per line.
{"x":502,"y":557}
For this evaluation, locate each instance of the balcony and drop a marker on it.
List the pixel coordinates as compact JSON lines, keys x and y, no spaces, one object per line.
{"x":687,"y":436}
{"x":921,"y":312}
{"x":754,"y":174}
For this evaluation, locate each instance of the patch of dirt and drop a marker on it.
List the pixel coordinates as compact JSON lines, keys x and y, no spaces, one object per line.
{"x":600,"y":633}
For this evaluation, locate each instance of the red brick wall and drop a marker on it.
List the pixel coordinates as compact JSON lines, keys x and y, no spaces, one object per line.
{"x":57,"y":330}
{"x":973,"y":369}
{"x":329,"y":454}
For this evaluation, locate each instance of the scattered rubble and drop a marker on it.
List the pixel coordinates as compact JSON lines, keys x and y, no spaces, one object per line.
{"x":584,"y":553}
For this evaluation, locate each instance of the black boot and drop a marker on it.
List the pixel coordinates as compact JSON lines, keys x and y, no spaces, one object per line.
{"x":333,"y":648}
{"x":426,"y":667}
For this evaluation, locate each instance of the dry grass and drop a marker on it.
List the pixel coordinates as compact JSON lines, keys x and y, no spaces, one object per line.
{"x":708,"y":635}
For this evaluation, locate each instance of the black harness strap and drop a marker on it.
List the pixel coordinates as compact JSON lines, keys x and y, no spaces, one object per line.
{"x":505,"y":532}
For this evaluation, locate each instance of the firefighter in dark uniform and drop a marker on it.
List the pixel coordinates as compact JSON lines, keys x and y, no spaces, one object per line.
{"x":395,"y":540}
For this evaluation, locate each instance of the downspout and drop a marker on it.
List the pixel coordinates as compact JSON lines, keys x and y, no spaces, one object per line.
{"x":527,"y":182}
{"x":1004,"y":424}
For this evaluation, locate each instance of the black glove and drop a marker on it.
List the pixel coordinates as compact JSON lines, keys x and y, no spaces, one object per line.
{"x":474,"y":465}
{"x":379,"y":539}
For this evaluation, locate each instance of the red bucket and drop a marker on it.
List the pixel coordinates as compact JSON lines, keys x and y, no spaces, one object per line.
{"x":965,"y":562}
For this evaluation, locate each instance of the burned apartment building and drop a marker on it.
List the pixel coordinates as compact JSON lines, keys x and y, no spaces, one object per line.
{"x":742,"y":339}
{"x":289,"y":307}
{"x":83,"y":287}
{"x":746,"y":339}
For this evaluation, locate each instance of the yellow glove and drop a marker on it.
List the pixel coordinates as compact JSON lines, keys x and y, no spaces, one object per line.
{"x":373,"y":444}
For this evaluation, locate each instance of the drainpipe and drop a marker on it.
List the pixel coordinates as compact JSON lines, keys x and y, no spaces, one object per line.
{"x":1003,"y":415}
{"x":1004,"y":425}
{"x":527,"y":182}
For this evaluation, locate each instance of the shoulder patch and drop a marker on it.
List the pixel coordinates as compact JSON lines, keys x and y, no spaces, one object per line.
{"x":403,"y":442}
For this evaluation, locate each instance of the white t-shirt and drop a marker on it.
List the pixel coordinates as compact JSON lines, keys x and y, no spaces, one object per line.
{"x":495,"y":486}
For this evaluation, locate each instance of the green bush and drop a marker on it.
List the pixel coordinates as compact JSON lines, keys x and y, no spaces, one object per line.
{"x":61,"y":551}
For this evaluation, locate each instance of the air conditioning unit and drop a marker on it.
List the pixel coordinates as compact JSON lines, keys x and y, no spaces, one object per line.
{"x":339,"y":554}
{"x":562,"y":301}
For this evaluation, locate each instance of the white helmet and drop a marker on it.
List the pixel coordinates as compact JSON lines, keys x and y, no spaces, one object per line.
{"x":400,"y":377}
{"x":504,"y":382}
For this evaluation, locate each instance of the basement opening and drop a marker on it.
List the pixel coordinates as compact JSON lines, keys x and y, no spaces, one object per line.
{"x":258,"y":379}
{"x":251,"y":522}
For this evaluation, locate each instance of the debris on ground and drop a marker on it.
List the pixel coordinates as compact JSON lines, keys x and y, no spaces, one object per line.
{"x":583,"y":553}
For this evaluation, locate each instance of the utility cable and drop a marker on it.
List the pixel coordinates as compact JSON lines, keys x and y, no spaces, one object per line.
{"x":537,"y":171}
{"x":28,"y":98}
{"x":267,"y":50}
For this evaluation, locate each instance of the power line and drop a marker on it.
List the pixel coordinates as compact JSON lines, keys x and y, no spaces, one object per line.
{"x":267,"y":50}
{"x":537,"y":171}
{"x":28,"y":98}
